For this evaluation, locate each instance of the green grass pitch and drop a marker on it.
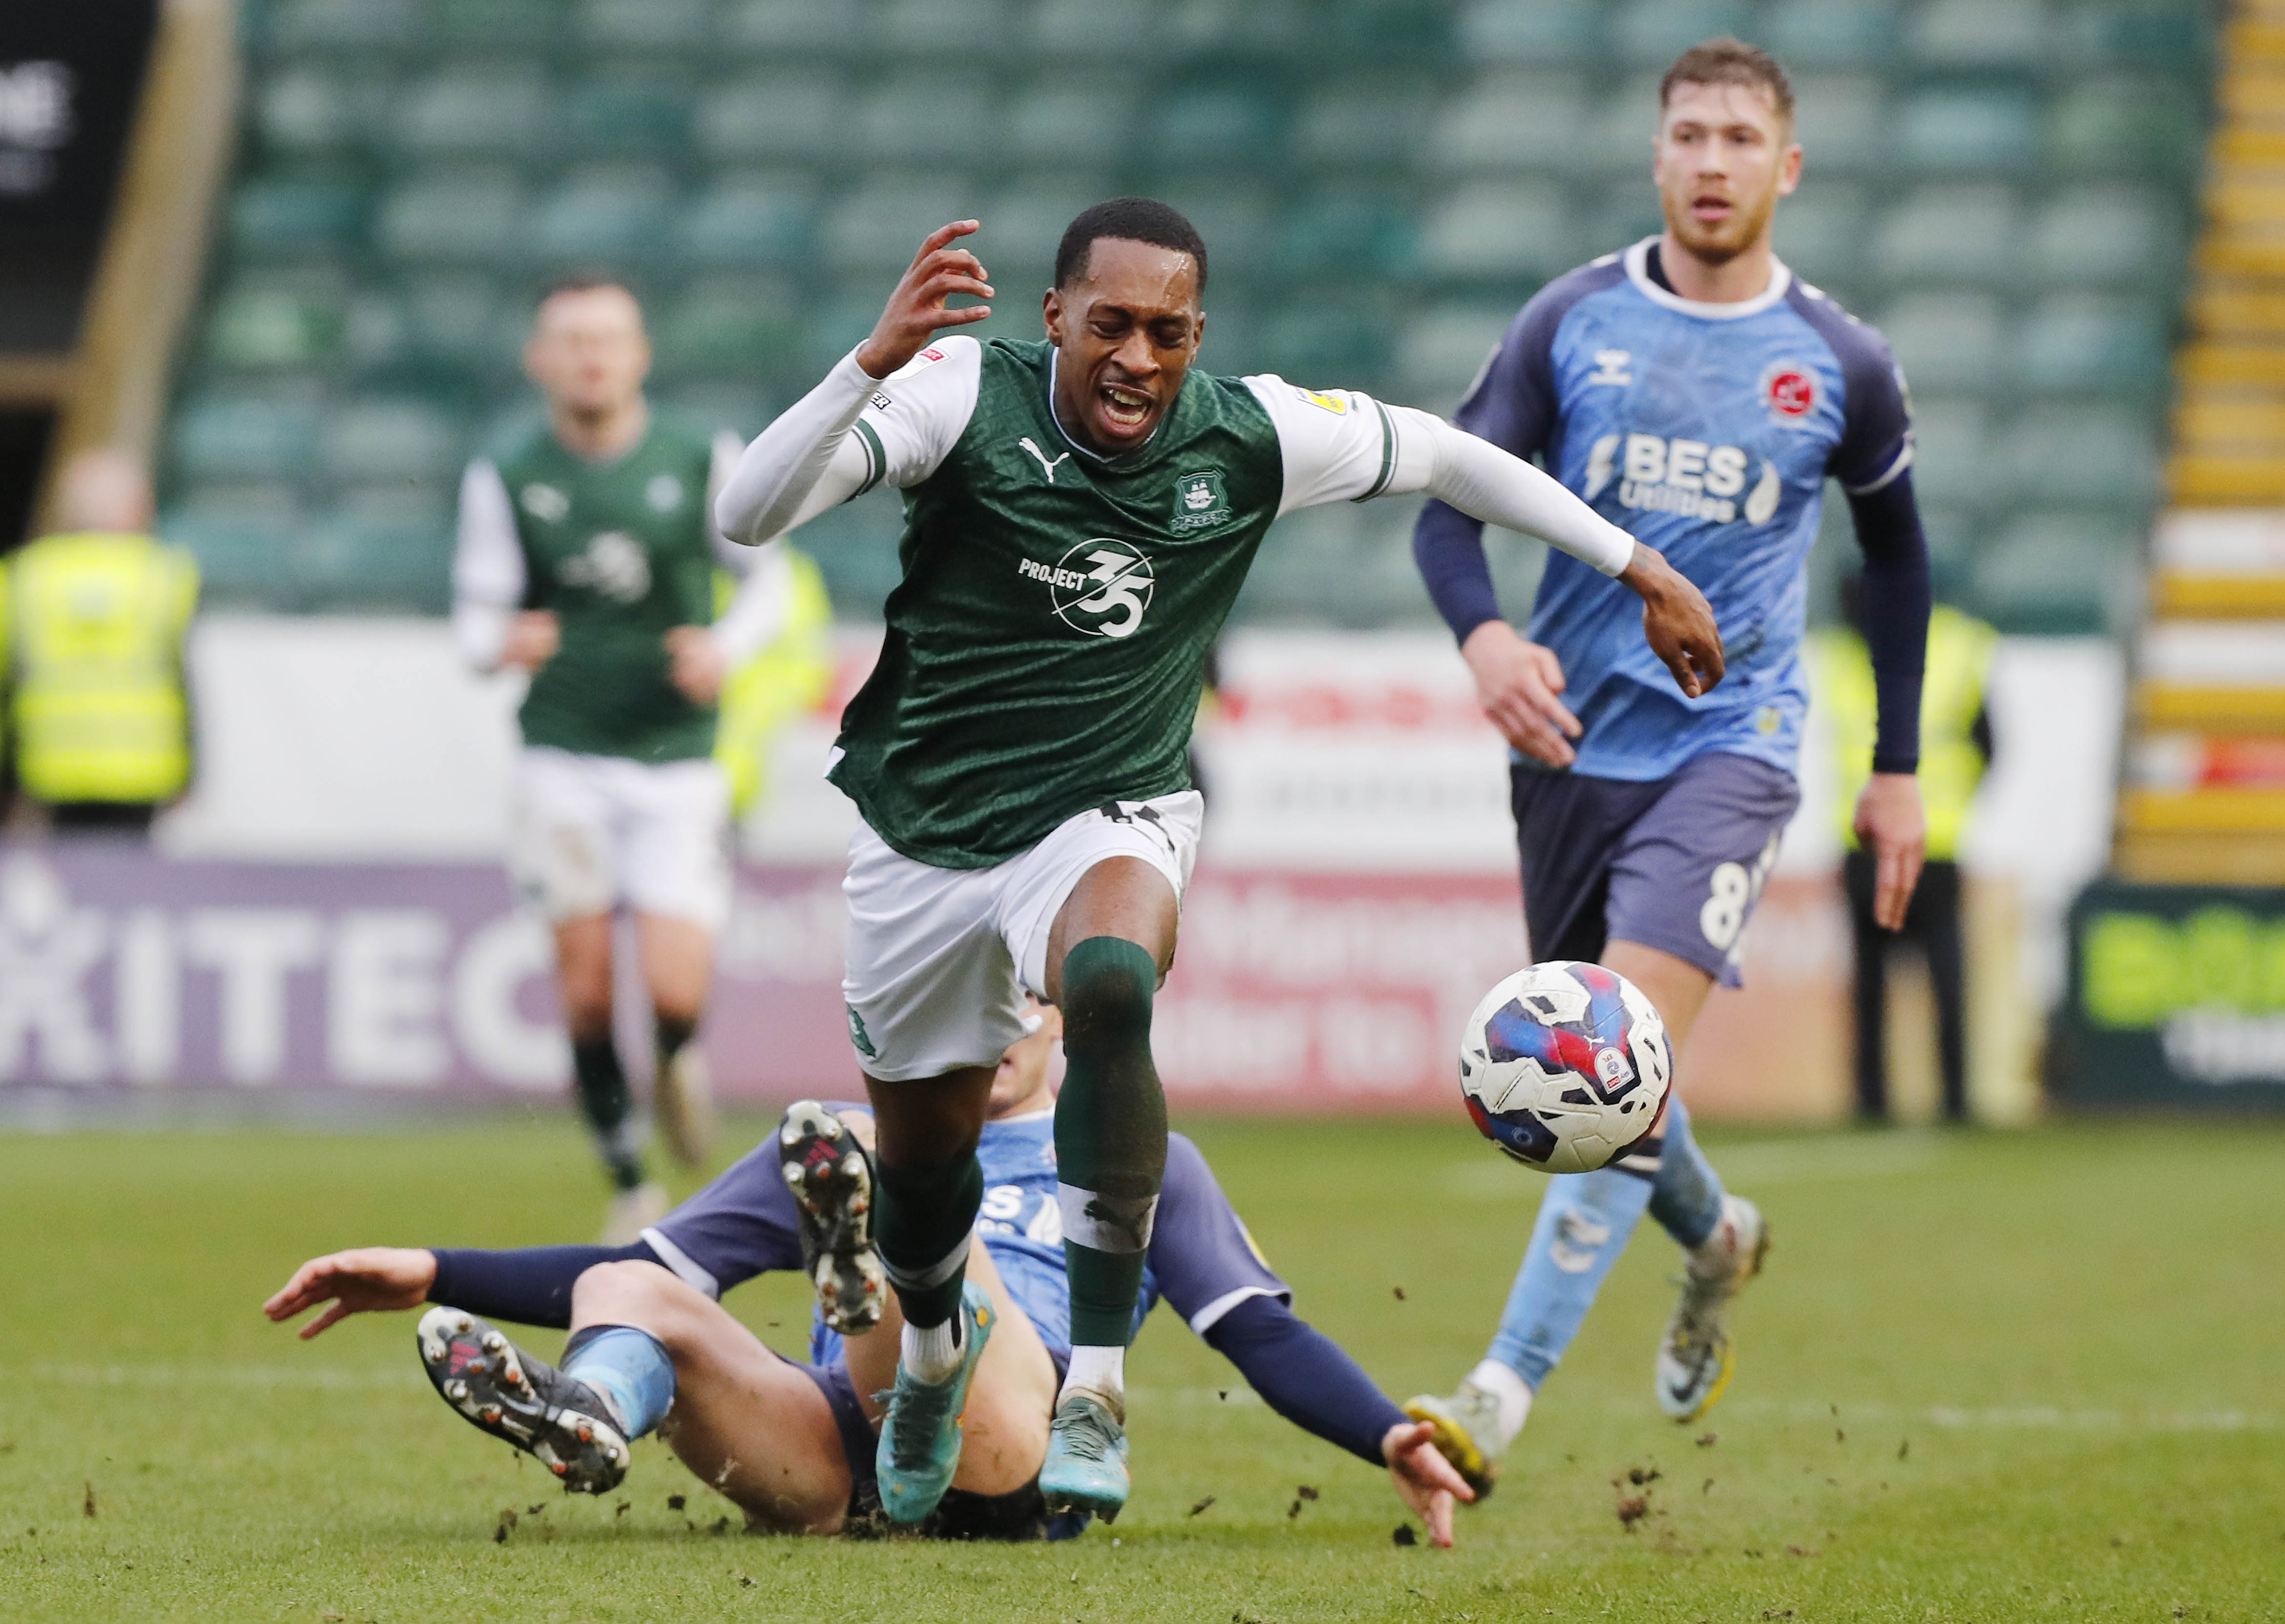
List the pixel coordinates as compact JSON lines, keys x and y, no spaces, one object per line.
{"x":2031,"y":1375}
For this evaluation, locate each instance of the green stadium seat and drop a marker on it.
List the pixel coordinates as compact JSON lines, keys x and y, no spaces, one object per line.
{"x":1980,"y":33}
{"x":244,"y":538}
{"x":1621,"y":215}
{"x":747,"y":220}
{"x":1653,"y":33}
{"x":462,"y":323}
{"x":775,"y":27}
{"x":734,"y":327}
{"x":1969,"y":129}
{"x":388,"y":550}
{"x":1229,"y":122}
{"x":1843,"y":124}
{"x":495,"y":110}
{"x":855,"y":546}
{"x":926,"y":116}
{"x":1023,"y":225}
{"x":2056,"y":572}
{"x":2084,"y":454}
{"x":1061,"y":119}
{"x":2177,"y":38}
{"x":1335,"y":344}
{"x":2131,"y":124}
{"x":608,"y":214}
{"x":466,"y":214}
{"x":2106,"y":234}
{"x":1089,"y":28}
{"x":1949,"y":233}
{"x":1946,"y":340}
{"x":1414,"y":28}
{"x":879,"y":224}
{"x":312,"y":111}
{"x":944,"y":30}
{"x":283,"y":217}
{"x":1380,"y":123}
{"x":1439,"y":351}
{"x":537,"y":25}
{"x":778,"y":114}
{"x":1502,"y":228}
{"x":2091,"y":343}
{"x":1951,"y":440}
{"x":263,"y":322}
{"x":1345,"y":230}
{"x":1267,"y":27}
{"x":1831,"y":33}
{"x":607,"y":26}
{"x":1531,"y":32}
{"x":1623,"y":121}
{"x":1820,"y":229}
{"x":240,"y":434}
{"x":741,"y":405}
{"x":627,"y":115}
{"x":1237,"y":219}
{"x":347,"y":25}
{"x":376,"y":439}
{"x":1512,"y":120}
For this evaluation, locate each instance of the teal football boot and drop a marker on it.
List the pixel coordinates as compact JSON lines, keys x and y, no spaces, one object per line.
{"x":1086,"y":1468}
{"x":920,"y":1436}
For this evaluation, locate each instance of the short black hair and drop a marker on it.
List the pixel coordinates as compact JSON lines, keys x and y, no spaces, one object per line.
{"x":1131,"y":220}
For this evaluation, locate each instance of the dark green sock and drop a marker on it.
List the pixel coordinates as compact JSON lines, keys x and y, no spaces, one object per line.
{"x":669,"y":1033}
{"x":609,"y":1105}
{"x":922,"y":1219}
{"x":1111,"y":1134}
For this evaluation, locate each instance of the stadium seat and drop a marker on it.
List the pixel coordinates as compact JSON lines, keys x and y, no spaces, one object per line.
{"x":260,"y":322}
{"x":2135,"y":34}
{"x":939,"y":29}
{"x":1622,"y":124}
{"x":1842,"y":123}
{"x":879,"y":224}
{"x":731,"y":327}
{"x":1820,"y":230}
{"x":240,"y":434}
{"x":244,"y":538}
{"x":1239,"y":220}
{"x":1531,"y":32}
{"x":1228,"y":122}
{"x":391,"y":439}
{"x":2106,"y":234}
{"x":1331,"y":344}
{"x":1831,"y":33}
{"x":749,"y":220}
{"x":518,"y":25}
{"x":912,"y":116}
{"x":1023,"y":225}
{"x":646,"y":25}
{"x":1979,"y":34}
{"x":1974,"y":129}
{"x":607,"y":215}
{"x":626,"y":115}
{"x":500,"y":109}
{"x":1260,"y":26}
{"x":1946,"y":340}
{"x":1956,"y":234}
{"x":1509,"y":120}
{"x":778,"y":114}
{"x":1347,"y":230}
{"x":1089,"y":28}
{"x":2056,"y":572}
{"x":383,"y":550}
{"x":2084,"y":454}
{"x":1623,"y":215}
{"x":462,"y":322}
{"x":353,"y":25}
{"x":855,"y":546}
{"x":1504,"y":229}
{"x":274,"y":218}
{"x":310,"y":110}
{"x":2087,"y":343}
{"x":1653,"y":33}
{"x":2131,"y":124}
{"x":1951,"y":439}
{"x":769,"y":27}
{"x":1439,"y":351}
{"x":734,"y":403}
{"x":1369,"y":124}
{"x":1058,"y":119}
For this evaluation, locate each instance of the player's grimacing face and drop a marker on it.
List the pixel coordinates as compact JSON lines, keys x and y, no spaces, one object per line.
{"x":1725,"y":155}
{"x":588,"y":350}
{"x":1125,"y":331}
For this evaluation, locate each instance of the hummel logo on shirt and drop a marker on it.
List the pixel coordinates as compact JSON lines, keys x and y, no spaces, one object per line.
{"x":1611,"y":367}
{"x":1050,"y":466}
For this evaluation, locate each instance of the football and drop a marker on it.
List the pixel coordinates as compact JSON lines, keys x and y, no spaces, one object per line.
{"x":1565,"y":1066}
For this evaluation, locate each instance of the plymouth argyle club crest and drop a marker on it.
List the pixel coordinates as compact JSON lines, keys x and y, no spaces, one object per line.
{"x":1199,"y":503}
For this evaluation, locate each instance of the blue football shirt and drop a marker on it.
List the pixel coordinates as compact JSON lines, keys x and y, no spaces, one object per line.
{"x":1707,"y":431}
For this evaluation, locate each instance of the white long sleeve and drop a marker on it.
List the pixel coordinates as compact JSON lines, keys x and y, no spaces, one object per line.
{"x":488,"y":570}
{"x":802,"y":464}
{"x":1488,"y":483}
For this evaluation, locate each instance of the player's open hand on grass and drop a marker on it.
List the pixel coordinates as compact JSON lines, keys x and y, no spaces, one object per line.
{"x":1518,"y":685}
{"x":1892,"y":825}
{"x":1425,"y":1479}
{"x":1678,"y":621}
{"x":367,"y":1279}
{"x":916,"y":311}
{"x":533,"y":636}
{"x":694,"y":663}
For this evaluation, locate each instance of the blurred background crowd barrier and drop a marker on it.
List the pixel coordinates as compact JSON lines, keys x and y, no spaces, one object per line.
{"x":285,"y":251}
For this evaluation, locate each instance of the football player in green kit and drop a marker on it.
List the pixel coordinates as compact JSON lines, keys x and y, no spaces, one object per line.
{"x":587,"y":557}
{"x":1079,"y":515}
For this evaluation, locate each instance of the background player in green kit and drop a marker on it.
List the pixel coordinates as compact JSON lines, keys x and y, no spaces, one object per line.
{"x":1079,"y":515}
{"x":587,"y":557}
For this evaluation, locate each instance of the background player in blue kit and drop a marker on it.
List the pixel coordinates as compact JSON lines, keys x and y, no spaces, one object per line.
{"x":793,"y":1444}
{"x":1693,"y":390}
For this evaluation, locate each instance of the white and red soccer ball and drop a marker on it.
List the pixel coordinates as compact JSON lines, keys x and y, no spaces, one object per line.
{"x":1565,"y":1066}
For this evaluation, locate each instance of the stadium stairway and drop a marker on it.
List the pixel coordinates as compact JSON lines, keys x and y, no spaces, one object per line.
{"x":2203,"y":800}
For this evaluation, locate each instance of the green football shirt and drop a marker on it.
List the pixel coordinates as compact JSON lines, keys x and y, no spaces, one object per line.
{"x":1046,"y":644}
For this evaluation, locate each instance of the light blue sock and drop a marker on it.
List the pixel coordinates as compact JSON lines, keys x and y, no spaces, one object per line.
{"x":1585,"y":1220}
{"x":1686,"y":1198}
{"x":632,"y":1366}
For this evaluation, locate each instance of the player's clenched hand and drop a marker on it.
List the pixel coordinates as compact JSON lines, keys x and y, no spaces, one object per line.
{"x":1892,"y":825}
{"x":1516,"y":683}
{"x":360,"y":1282}
{"x":1677,"y":620}
{"x":533,"y":636}
{"x":694,"y":663}
{"x":1425,"y":1479}
{"x":916,"y":309}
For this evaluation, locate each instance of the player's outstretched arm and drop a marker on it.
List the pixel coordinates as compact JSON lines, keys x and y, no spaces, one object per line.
{"x":367,"y":1279}
{"x":805,"y":462}
{"x":1425,"y":1479}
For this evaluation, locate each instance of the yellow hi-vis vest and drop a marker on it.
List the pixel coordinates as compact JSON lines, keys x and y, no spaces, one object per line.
{"x":1959,"y":665}
{"x":791,"y":674}
{"x":96,"y":622}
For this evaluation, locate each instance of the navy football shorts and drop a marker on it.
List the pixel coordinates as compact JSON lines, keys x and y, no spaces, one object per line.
{"x":1675,"y":863}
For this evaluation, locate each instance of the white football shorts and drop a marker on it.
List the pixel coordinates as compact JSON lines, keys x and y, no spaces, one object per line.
{"x":940,"y":959}
{"x":593,"y":833}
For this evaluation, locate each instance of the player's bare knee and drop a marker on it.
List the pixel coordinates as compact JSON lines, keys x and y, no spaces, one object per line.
{"x":643,"y":1295}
